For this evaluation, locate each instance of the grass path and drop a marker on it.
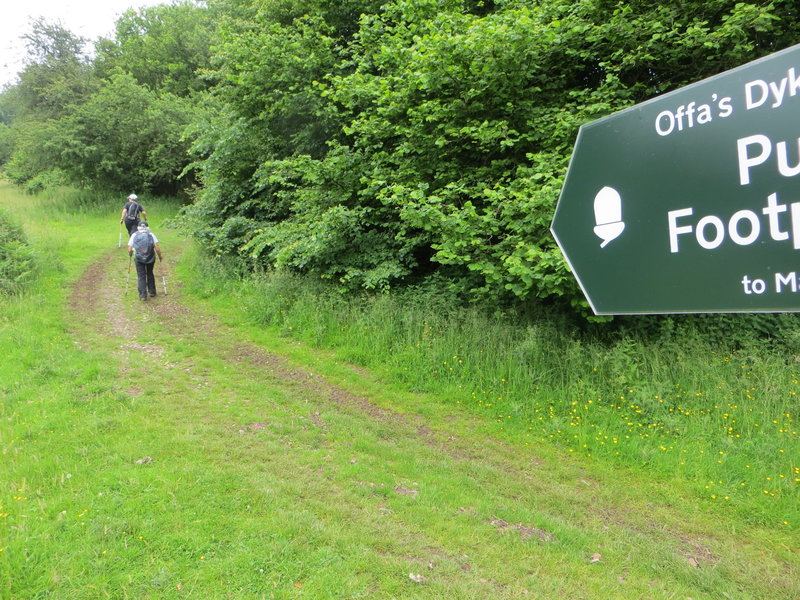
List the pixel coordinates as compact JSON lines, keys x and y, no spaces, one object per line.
{"x":216,"y":463}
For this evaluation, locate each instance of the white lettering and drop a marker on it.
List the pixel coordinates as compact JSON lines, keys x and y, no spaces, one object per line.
{"x":702,"y":225}
{"x":746,"y":161}
{"x":781,"y":280}
{"x":674,"y":230}
{"x":795,"y":208}
{"x":758,"y":92}
{"x":749,"y":88}
{"x":710,"y":231}
{"x":783,"y":160}
{"x":687,"y":116}
{"x":725,"y":105}
{"x":679,"y":116}
{"x":704,"y":114}
{"x":755,"y":286}
{"x":794,"y":82}
{"x":690,"y":113}
{"x":778,"y":91}
{"x":733,"y":227}
{"x":772,"y":211}
{"x":671,"y":120}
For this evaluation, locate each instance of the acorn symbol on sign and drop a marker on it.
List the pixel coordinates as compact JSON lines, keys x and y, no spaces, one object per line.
{"x":608,"y":215}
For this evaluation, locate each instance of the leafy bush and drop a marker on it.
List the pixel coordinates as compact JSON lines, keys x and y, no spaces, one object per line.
{"x":125,"y":136}
{"x":17,"y":259}
{"x":432,"y":136}
{"x":45,"y":181}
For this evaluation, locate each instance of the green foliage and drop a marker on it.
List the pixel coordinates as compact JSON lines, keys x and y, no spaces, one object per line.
{"x":433,"y":135}
{"x":29,"y":157}
{"x":371,"y":143}
{"x":117,"y":122}
{"x":6,"y":143}
{"x":125,"y":137}
{"x":733,"y":332}
{"x":164,"y":47}
{"x":17,"y":258}
{"x":58,"y":74}
{"x":8,"y":105}
{"x":46,"y":180}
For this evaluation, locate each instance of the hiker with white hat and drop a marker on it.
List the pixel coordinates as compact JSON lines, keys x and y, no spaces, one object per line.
{"x":131,"y":213}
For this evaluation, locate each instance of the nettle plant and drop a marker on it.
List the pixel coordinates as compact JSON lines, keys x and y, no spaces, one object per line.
{"x":17,"y":258}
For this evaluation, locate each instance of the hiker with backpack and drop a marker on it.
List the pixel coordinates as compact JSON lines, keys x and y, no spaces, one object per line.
{"x":143,"y":247}
{"x":131,"y":213}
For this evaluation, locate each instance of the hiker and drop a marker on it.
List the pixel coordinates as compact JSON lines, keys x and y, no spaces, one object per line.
{"x":130,"y":214}
{"x":143,"y":247}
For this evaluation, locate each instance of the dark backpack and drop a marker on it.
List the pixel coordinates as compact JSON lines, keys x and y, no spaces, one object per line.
{"x":133,"y":211}
{"x":144,"y":247}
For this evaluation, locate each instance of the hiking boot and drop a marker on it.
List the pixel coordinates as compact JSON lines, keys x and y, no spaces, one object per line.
{"x":142,"y":298}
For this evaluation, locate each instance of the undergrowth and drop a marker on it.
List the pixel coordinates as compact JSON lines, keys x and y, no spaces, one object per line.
{"x":18,"y":261}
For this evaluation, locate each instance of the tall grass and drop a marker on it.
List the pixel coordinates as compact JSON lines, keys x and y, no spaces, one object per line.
{"x":718,"y":418}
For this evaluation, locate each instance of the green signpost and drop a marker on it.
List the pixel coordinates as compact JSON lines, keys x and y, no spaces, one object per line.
{"x":691,"y":202}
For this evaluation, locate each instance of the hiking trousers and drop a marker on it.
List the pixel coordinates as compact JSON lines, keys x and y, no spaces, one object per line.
{"x":146,"y":281}
{"x":132,"y":226}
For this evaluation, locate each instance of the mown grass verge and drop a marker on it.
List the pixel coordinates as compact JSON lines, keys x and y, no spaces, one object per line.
{"x":56,"y":397}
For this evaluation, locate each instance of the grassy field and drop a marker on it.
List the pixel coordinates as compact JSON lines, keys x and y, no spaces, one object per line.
{"x":249,"y":439}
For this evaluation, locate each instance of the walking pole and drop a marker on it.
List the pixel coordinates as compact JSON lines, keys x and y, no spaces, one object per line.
{"x":163,"y":280}
{"x":128,"y":280}
{"x":119,"y":241}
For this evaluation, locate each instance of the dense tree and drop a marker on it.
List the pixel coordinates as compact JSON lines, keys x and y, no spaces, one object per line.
{"x":58,"y":73}
{"x":165,"y":47}
{"x":57,"y":77}
{"x":7,"y":113}
{"x":433,"y":135}
{"x":118,"y":121}
{"x":124,"y":137}
{"x":269,"y":118}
